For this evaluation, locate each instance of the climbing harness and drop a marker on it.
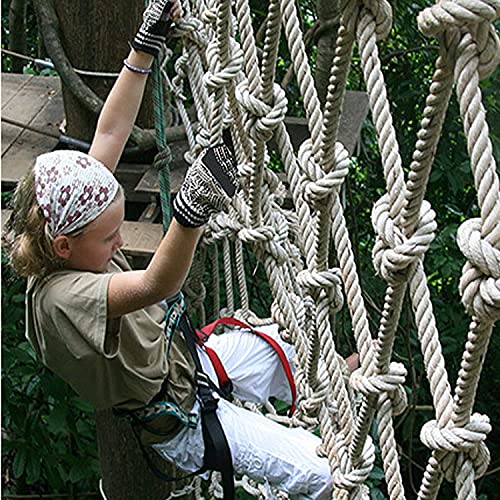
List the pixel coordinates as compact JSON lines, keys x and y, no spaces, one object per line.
{"x":217,"y":454}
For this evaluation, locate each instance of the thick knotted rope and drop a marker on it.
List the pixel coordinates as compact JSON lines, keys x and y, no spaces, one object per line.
{"x":456,"y":439}
{"x":480,"y":281}
{"x":381,"y":11}
{"x":393,"y":254}
{"x":344,"y":475}
{"x":318,"y":185}
{"x":216,"y":77}
{"x":294,"y":245}
{"x":390,"y":382}
{"x":455,"y":14}
{"x":267,"y":237}
{"x":263,"y":118}
{"x":458,"y":444}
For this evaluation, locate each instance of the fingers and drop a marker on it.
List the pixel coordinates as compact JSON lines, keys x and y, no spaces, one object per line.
{"x":353,"y":361}
{"x":176,"y":11}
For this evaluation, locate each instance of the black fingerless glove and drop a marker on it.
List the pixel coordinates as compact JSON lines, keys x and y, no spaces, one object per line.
{"x":210,"y":183}
{"x":154,"y":28}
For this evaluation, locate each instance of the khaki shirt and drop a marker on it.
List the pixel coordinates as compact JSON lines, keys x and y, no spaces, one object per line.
{"x":111,"y":363}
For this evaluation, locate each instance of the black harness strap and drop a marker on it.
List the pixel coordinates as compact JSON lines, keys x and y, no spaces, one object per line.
{"x":217,"y":452}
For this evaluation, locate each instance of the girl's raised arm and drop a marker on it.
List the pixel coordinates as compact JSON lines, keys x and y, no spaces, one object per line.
{"x":123,"y":102}
{"x":120,"y":111}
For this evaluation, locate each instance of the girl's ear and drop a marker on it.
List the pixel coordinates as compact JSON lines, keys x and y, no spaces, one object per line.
{"x":62,"y":247}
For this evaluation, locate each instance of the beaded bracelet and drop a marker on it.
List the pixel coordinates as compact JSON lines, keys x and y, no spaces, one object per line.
{"x":136,"y":69}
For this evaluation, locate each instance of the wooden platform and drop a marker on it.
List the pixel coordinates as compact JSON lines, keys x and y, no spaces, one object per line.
{"x":34,"y":101}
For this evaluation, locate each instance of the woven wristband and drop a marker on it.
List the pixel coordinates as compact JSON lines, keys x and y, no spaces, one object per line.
{"x":136,"y":69}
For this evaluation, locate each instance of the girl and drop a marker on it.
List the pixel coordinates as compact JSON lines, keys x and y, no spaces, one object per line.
{"x":100,"y":325}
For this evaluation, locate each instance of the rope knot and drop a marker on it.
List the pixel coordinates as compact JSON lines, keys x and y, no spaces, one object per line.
{"x":477,"y":17}
{"x":317,"y":184}
{"x":217,"y":77}
{"x":391,"y":382}
{"x":345,"y":475}
{"x":460,"y":443}
{"x":220,"y":226}
{"x":480,"y":281}
{"x":268,"y":238}
{"x":329,"y":281}
{"x":192,"y":28}
{"x":381,"y":11}
{"x":264,"y":118}
{"x":393,"y":253}
{"x":163,"y":158}
{"x":456,"y":439}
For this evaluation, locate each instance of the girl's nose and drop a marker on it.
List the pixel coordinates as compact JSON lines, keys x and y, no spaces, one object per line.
{"x":119,"y":241}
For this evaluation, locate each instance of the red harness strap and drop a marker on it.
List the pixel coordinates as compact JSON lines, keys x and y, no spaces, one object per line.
{"x":224,"y":380}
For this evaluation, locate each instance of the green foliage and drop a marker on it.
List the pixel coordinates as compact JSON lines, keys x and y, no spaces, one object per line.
{"x":33,"y":43}
{"x":48,"y":440}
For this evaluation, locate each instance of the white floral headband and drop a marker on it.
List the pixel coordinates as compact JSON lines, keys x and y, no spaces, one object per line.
{"x":72,"y":189}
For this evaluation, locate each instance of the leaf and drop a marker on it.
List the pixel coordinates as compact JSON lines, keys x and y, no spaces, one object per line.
{"x":56,"y":422}
{"x":18,"y":298}
{"x":85,"y":429}
{"x":54,"y":387}
{"x":376,"y":494}
{"x":78,"y":472}
{"x":82,"y":405}
{"x":33,"y":467}
{"x":377,"y":473}
{"x":53,"y":476}
{"x":19,"y":463}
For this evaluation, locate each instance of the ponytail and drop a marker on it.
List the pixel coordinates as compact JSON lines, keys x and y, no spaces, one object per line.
{"x":25,"y":237}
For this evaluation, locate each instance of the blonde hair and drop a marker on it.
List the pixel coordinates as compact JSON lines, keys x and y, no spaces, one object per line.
{"x":26,"y":238}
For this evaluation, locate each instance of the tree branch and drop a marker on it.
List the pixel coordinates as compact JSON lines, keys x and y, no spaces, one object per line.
{"x":17,"y":31}
{"x":48,"y":24}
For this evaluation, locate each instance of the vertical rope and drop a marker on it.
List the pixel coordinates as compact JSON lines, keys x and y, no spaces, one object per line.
{"x":164,"y":157}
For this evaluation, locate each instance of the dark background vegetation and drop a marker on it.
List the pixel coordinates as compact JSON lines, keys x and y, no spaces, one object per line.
{"x":48,"y":436}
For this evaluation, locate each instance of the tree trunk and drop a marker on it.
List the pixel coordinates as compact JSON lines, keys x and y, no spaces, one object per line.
{"x":95,"y":37}
{"x":125,"y":472}
{"x":17,"y":32}
{"x":328,"y":16}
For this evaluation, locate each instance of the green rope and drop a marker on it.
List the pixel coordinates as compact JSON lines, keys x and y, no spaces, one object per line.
{"x":164,"y":157}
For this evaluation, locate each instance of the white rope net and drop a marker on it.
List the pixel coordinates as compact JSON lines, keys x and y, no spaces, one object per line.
{"x":231,"y":82}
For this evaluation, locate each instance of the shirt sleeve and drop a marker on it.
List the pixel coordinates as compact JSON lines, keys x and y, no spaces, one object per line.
{"x":77,"y":306}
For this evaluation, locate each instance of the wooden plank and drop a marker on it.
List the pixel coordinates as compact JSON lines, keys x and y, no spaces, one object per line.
{"x":23,"y":151}
{"x":139,"y":238}
{"x":12,"y":83}
{"x":354,"y":112}
{"x":149,"y":182}
{"x":27,"y":104}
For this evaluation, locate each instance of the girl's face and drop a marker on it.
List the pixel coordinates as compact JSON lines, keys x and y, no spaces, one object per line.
{"x":93,"y":249}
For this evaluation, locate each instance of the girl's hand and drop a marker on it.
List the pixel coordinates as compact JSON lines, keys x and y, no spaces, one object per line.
{"x":176,"y":11}
{"x":157,"y":22}
{"x":210,"y":183}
